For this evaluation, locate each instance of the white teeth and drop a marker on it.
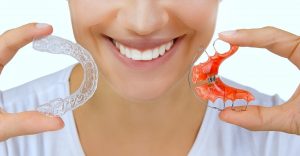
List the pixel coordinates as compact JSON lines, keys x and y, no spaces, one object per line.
{"x":145,"y":55}
{"x":136,"y":55}
{"x":127,"y":53}
{"x":117,"y":44}
{"x":122,"y":50}
{"x":155,"y":54}
{"x":162,"y":50}
{"x":169,"y":45}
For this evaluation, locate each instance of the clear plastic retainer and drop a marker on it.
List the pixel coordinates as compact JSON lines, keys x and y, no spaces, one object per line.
{"x":57,"y":45}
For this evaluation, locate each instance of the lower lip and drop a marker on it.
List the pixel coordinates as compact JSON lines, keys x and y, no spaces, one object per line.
{"x":141,"y":64}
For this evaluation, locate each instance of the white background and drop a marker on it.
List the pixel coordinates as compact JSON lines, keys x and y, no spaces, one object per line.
{"x":257,"y":68}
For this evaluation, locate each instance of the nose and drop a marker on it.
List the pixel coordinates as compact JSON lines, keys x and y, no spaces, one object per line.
{"x":143,"y":17}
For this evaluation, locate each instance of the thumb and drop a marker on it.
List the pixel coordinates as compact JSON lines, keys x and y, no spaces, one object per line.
{"x":255,"y":118}
{"x":26,"y":123}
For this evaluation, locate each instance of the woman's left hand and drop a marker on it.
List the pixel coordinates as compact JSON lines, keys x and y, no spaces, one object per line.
{"x":285,"y":117}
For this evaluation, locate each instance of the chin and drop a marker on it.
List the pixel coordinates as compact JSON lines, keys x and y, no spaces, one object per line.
{"x":144,"y":93}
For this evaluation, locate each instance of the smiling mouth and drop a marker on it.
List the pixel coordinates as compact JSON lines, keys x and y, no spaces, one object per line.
{"x":148,"y":54}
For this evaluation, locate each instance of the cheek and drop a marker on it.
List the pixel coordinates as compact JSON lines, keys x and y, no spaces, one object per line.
{"x":199,"y":15}
{"x":87,"y":13}
{"x":91,"y":12}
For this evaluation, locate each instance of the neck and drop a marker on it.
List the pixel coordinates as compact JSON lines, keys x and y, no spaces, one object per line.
{"x":178,"y":103}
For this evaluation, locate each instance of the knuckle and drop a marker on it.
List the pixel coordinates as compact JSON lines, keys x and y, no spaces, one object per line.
{"x":297,"y":45}
{"x":8,"y":48}
{"x":269,"y":28}
{"x":295,"y":51}
{"x":271,"y":31}
{"x":5,"y":42}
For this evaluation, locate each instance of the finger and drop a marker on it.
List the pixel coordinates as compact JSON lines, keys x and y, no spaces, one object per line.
{"x":12,"y":40}
{"x":255,"y":118}
{"x":26,"y":123}
{"x":296,"y":94}
{"x":278,"y":41}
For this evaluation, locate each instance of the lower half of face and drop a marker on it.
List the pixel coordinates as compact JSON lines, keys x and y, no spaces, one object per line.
{"x":109,"y":30}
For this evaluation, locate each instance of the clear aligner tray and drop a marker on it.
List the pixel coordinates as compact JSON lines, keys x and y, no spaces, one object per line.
{"x":57,"y":45}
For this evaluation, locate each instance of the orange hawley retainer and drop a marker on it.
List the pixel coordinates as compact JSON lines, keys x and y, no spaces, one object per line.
{"x":208,"y":84}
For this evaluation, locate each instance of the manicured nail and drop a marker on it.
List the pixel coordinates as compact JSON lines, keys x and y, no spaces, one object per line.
{"x":42,"y":25}
{"x":228,"y":33}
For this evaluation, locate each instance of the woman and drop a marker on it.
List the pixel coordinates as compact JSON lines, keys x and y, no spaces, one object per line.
{"x":143,"y":105}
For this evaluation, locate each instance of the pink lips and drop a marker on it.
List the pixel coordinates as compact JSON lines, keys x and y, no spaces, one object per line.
{"x":141,"y":64}
{"x":143,"y":44}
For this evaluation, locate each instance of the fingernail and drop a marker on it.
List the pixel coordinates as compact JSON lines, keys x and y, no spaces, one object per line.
{"x":228,"y":33}
{"x":42,"y":25}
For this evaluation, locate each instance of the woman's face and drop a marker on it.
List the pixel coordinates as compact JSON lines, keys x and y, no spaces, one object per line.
{"x":143,"y":30}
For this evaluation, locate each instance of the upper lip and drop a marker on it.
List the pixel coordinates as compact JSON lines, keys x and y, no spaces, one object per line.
{"x":142,"y":44}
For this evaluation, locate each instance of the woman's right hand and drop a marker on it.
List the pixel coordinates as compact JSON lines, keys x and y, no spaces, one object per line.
{"x":23,"y":123}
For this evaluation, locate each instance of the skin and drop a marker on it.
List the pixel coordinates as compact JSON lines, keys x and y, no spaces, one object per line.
{"x":284,"y":117}
{"x":145,"y":107}
{"x":157,"y":117}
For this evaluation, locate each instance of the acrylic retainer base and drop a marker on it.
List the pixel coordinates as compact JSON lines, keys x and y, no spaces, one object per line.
{"x":206,"y":83}
{"x":57,"y":45}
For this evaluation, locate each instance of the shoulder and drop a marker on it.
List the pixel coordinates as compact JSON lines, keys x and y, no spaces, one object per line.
{"x":36,"y":92}
{"x":27,"y":97}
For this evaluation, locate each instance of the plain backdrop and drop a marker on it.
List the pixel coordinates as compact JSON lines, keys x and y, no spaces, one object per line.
{"x":253,"y":67}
